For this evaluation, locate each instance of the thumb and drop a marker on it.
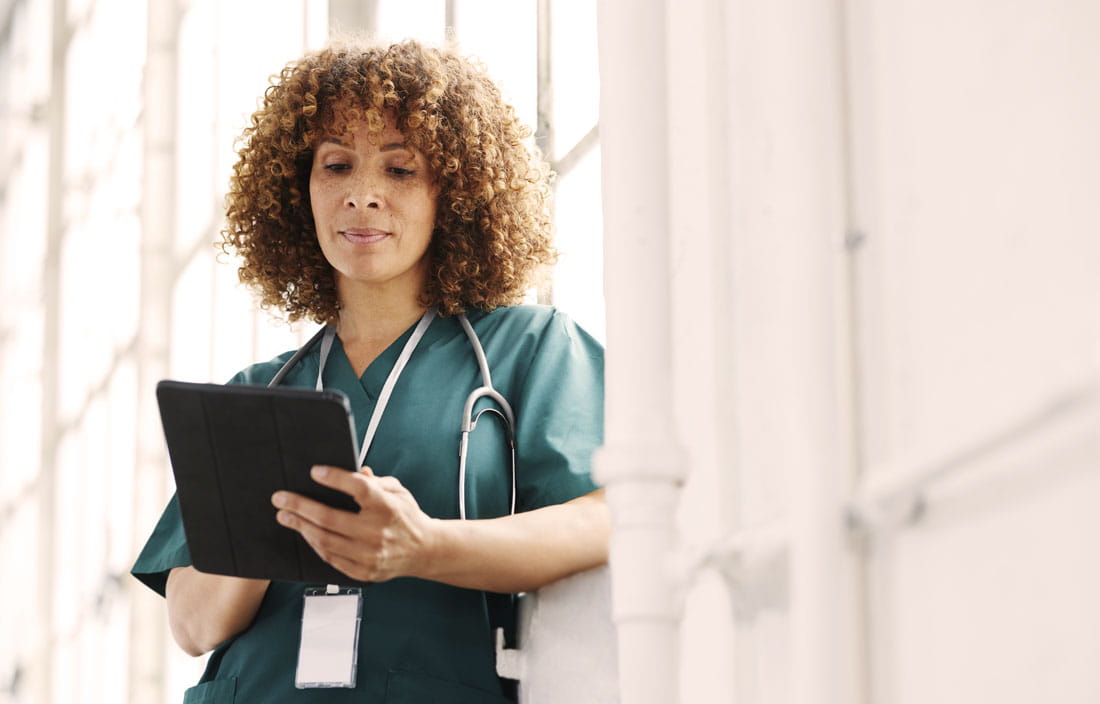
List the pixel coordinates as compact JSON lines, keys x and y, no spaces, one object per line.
{"x":366,"y":470}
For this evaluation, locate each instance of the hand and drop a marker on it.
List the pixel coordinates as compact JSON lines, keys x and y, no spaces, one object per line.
{"x":388,"y":537}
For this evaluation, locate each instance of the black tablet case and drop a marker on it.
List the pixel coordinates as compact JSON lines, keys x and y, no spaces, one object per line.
{"x":231,"y":448}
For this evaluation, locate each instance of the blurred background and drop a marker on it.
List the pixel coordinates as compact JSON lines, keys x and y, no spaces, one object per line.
{"x":878,"y":303}
{"x":117,"y":128}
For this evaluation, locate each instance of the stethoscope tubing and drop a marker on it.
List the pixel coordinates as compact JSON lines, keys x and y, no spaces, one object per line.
{"x":469,"y":418}
{"x":297,"y":357}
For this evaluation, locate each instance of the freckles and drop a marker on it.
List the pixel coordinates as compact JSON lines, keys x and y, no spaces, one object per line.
{"x":316,"y":188}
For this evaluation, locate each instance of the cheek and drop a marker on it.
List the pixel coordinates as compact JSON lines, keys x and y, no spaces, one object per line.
{"x":319,"y":200}
{"x":314,"y":196}
{"x":430,"y":213}
{"x":430,"y":206}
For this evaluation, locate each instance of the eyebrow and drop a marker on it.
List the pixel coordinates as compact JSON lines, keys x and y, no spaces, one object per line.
{"x":392,"y":146}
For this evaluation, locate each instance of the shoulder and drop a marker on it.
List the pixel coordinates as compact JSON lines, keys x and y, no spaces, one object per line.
{"x":535,"y":324}
{"x":539,"y":343}
{"x":261,"y":373}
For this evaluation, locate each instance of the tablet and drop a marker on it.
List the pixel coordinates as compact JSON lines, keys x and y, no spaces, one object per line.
{"x":231,"y":447}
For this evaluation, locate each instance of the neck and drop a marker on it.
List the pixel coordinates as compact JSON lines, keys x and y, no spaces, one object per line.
{"x":367,"y":325}
{"x":371,"y":315}
{"x":376,"y":323}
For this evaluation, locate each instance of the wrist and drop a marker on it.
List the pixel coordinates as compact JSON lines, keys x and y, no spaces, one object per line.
{"x":435,"y":549}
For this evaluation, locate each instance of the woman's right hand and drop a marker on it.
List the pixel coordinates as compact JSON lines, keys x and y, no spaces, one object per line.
{"x":205,"y":610}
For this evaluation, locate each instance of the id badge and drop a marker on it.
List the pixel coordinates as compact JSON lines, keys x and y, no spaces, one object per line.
{"x":329,"y":647}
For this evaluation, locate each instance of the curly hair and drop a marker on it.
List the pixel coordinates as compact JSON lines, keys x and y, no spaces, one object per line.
{"x":493,"y":228}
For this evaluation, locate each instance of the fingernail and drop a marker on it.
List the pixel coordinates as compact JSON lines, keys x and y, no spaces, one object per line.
{"x":319,"y":472}
{"x":278,"y":498}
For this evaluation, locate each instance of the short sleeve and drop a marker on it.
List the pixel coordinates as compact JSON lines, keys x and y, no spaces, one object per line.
{"x":165,"y":549}
{"x":559,"y":416}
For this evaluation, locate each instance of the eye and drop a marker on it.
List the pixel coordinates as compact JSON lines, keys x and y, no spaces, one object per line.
{"x":398,"y":171}
{"x":337,"y":167}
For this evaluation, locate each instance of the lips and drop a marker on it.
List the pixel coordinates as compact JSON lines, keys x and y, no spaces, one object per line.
{"x":364,"y":235}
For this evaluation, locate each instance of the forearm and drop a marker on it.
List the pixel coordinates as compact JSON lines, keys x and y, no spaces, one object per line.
{"x":521,"y":552}
{"x":204,"y":610}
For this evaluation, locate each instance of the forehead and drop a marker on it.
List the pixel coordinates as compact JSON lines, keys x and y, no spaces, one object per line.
{"x":361,"y":130}
{"x":350,"y":125}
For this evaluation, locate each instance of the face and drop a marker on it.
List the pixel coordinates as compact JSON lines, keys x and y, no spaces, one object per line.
{"x":374,"y":204}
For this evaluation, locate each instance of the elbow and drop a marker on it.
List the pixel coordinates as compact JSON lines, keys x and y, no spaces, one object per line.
{"x":205,"y":610}
{"x":192,"y":650}
{"x":185,"y":637}
{"x":594,"y":523}
{"x":185,"y":623}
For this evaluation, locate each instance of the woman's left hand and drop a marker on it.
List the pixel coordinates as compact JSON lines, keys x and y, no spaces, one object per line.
{"x":386,"y":539}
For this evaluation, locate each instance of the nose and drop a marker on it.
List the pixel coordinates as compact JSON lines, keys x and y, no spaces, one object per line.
{"x":351,"y":203}
{"x":364,"y":192}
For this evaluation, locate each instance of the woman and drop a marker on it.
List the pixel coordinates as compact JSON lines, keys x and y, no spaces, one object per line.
{"x":377,"y":187}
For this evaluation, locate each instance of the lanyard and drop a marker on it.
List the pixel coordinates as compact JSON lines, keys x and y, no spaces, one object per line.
{"x":391,"y":380}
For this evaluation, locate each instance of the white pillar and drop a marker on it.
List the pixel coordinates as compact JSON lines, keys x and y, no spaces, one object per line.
{"x":641,"y":463}
{"x":791,"y":346}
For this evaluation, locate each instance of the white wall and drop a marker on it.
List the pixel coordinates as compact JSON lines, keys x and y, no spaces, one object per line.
{"x":977,"y":164}
{"x":884,"y":230}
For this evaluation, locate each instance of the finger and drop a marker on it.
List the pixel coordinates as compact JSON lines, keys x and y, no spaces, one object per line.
{"x":386,"y":482}
{"x":361,"y":486}
{"x":327,"y":544}
{"x":315,"y":512}
{"x":392,"y":484}
{"x":355,"y":484}
{"x":353,"y":569}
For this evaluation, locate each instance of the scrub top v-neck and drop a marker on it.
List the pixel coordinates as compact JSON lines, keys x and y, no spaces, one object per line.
{"x":419,"y":640}
{"x":380,"y":398}
{"x":363,"y":391}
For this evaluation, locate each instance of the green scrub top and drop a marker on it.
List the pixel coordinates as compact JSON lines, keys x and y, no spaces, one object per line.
{"x":423,"y":641}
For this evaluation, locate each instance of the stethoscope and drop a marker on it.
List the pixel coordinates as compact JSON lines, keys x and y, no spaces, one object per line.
{"x":327,"y":335}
